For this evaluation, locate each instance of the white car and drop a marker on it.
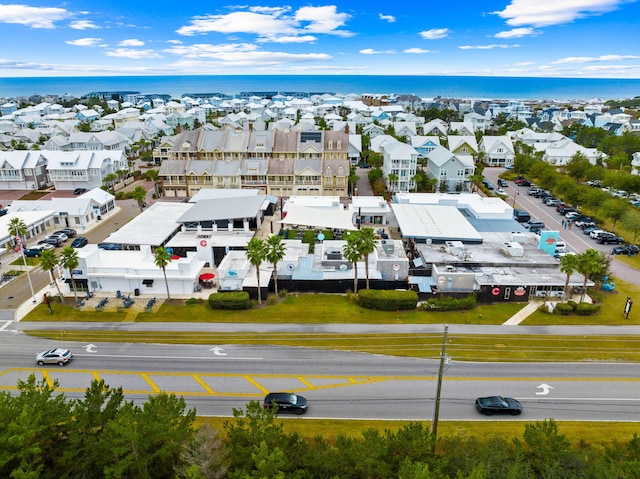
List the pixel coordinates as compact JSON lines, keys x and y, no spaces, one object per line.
{"x":54,"y":356}
{"x":594,"y":234}
{"x":501,"y":192}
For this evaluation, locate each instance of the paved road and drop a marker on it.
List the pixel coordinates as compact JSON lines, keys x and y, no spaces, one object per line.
{"x":572,"y":236}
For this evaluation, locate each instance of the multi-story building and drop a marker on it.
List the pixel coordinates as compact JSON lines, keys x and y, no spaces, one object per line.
{"x":279,"y":163}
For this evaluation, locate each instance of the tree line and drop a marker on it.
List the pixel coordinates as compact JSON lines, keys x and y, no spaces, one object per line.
{"x":44,"y":434}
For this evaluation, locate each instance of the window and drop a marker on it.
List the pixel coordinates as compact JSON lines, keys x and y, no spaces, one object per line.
{"x":443,"y":172}
{"x":460,"y":172}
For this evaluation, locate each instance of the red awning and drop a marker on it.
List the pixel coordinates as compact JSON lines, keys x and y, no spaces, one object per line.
{"x":175,"y":257}
{"x":207,"y":276}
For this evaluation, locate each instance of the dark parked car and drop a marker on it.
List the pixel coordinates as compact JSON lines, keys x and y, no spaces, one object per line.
{"x":534,"y":224}
{"x":70,"y":232}
{"x":3,"y":211}
{"x":33,"y":252}
{"x":502,"y":183}
{"x":52,"y":241}
{"x":498,"y":405}
{"x":79,"y":242}
{"x":286,"y":402}
{"x":610,"y":238}
{"x":521,"y":216}
{"x":79,"y":191}
{"x":629,"y":249}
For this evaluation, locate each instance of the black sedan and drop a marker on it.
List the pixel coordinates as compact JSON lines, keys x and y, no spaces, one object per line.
{"x":286,"y":402}
{"x":498,"y":405}
{"x":79,"y":242}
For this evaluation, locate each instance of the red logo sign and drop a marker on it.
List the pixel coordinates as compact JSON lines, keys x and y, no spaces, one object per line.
{"x":203,"y":242}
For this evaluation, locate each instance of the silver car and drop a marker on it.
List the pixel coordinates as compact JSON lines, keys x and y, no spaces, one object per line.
{"x":54,"y":356}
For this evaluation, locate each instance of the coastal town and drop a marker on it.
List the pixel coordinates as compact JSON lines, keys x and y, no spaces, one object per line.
{"x":309,"y":168}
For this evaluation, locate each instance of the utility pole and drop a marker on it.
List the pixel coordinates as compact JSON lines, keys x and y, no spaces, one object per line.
{"x":436,"y":406}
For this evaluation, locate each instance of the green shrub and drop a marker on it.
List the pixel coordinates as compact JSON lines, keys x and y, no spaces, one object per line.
{"x":193,"y":301}
{"x":447,"y":303}
{"x":573,"y":304}
{"x":231,"y":300}
{"x":587,"y":309}
{"x":388,"y":300}
{"x":563,"y":309}
{"x":272,"y":300}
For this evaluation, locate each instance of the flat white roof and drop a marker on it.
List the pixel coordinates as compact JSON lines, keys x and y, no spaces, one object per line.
{"x":153,"y":226}
{"x":480,"y":206}
{"x":439,"y":223}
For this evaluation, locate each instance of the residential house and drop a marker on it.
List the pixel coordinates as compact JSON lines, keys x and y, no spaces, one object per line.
{"x":452,"y":171}
{"x":498,"y":150}
{"x":635,"y":163}
{"x":23,"y":170}
{"x":424,"y":144}
{"x":69,"y":170}
{"x":463,"y":145}
{"x":399,"y":165}
{"x":462,"y":128}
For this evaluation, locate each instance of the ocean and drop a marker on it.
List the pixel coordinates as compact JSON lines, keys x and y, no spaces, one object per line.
{"x":504,"y":88}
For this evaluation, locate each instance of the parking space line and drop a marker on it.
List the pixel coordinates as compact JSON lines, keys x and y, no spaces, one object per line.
{"x":204,"y":385}
{"x":146,"y":377}
{"x":256,"y":384}
{"x":306,"y":383}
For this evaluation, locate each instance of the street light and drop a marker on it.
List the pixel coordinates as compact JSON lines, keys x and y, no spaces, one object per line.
{"x":514,"y":199}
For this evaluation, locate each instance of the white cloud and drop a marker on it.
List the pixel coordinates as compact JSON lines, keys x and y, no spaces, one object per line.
{"x":131,"y":53}
{"x":517,"y":33}
{"x":273,"y":24}
{"x":371,"y":51}
{"x":416,"y":50}
{"x":288,"y":39}
{"x":387,"y":18}
{"x":85,"y":42}
{"x":602,"y":58}
{"x":435,"y":33}
{"x":541,"y":13}
{"x":240,"y":54}
{"x":83,"y":25}
{"x":34,"y":17}
{"x":131,"y":42}
{"x":486,"y":47}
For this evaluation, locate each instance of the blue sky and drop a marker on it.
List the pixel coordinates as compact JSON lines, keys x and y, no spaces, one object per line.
{"x":540,"y":38}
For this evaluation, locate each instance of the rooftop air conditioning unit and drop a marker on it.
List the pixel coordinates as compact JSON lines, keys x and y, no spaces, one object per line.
{"x":513,"y":249}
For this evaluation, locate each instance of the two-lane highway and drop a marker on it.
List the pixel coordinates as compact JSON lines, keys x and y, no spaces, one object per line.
{"x":216,"y":378}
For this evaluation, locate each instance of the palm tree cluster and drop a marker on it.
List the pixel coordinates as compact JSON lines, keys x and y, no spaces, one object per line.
{"x":272,"y":250}
{"x":48,"y":260}
{"x":591,"y":264}
{"x":360,"y":244}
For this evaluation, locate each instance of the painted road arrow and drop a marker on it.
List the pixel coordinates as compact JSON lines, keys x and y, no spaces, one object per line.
{"x":545,"y":389}
{"x":218,"y":351}
{"x":90,"y":348}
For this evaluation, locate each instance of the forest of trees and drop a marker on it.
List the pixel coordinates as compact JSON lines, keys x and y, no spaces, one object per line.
{"x":44,"y":434}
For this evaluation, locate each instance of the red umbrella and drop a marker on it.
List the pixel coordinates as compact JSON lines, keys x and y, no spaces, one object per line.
{"x":207,"y":276}
{"x":175,"y":257}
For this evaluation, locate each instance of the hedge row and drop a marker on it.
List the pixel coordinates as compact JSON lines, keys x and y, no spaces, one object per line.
{"x":231,"y":300}
{"x":581,"y":309}
{"x":388,"y":300}
{"x":446,"y":303}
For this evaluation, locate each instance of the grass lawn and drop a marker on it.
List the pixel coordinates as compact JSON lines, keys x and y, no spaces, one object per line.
{"x":295,"y":308}
{"x":597,"y":434}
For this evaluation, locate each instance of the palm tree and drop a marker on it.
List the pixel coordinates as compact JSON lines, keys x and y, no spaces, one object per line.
{"x":139,"y":194}
{"x":69,"y":261}
{"x":393,"y":180}
{"x":568,"y":265}
{"x":256,"y":254}
{"x":49,"y":260}
{"x":162,"y":258}
{"x":589,"y":262}
{"x":275,"y":253}
{"x":352,"y":254}
{"x":366,"y":245}
{"x":17,"y":230}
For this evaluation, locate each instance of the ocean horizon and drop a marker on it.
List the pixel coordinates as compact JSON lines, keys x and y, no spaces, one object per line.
{"x":464,"y":87}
